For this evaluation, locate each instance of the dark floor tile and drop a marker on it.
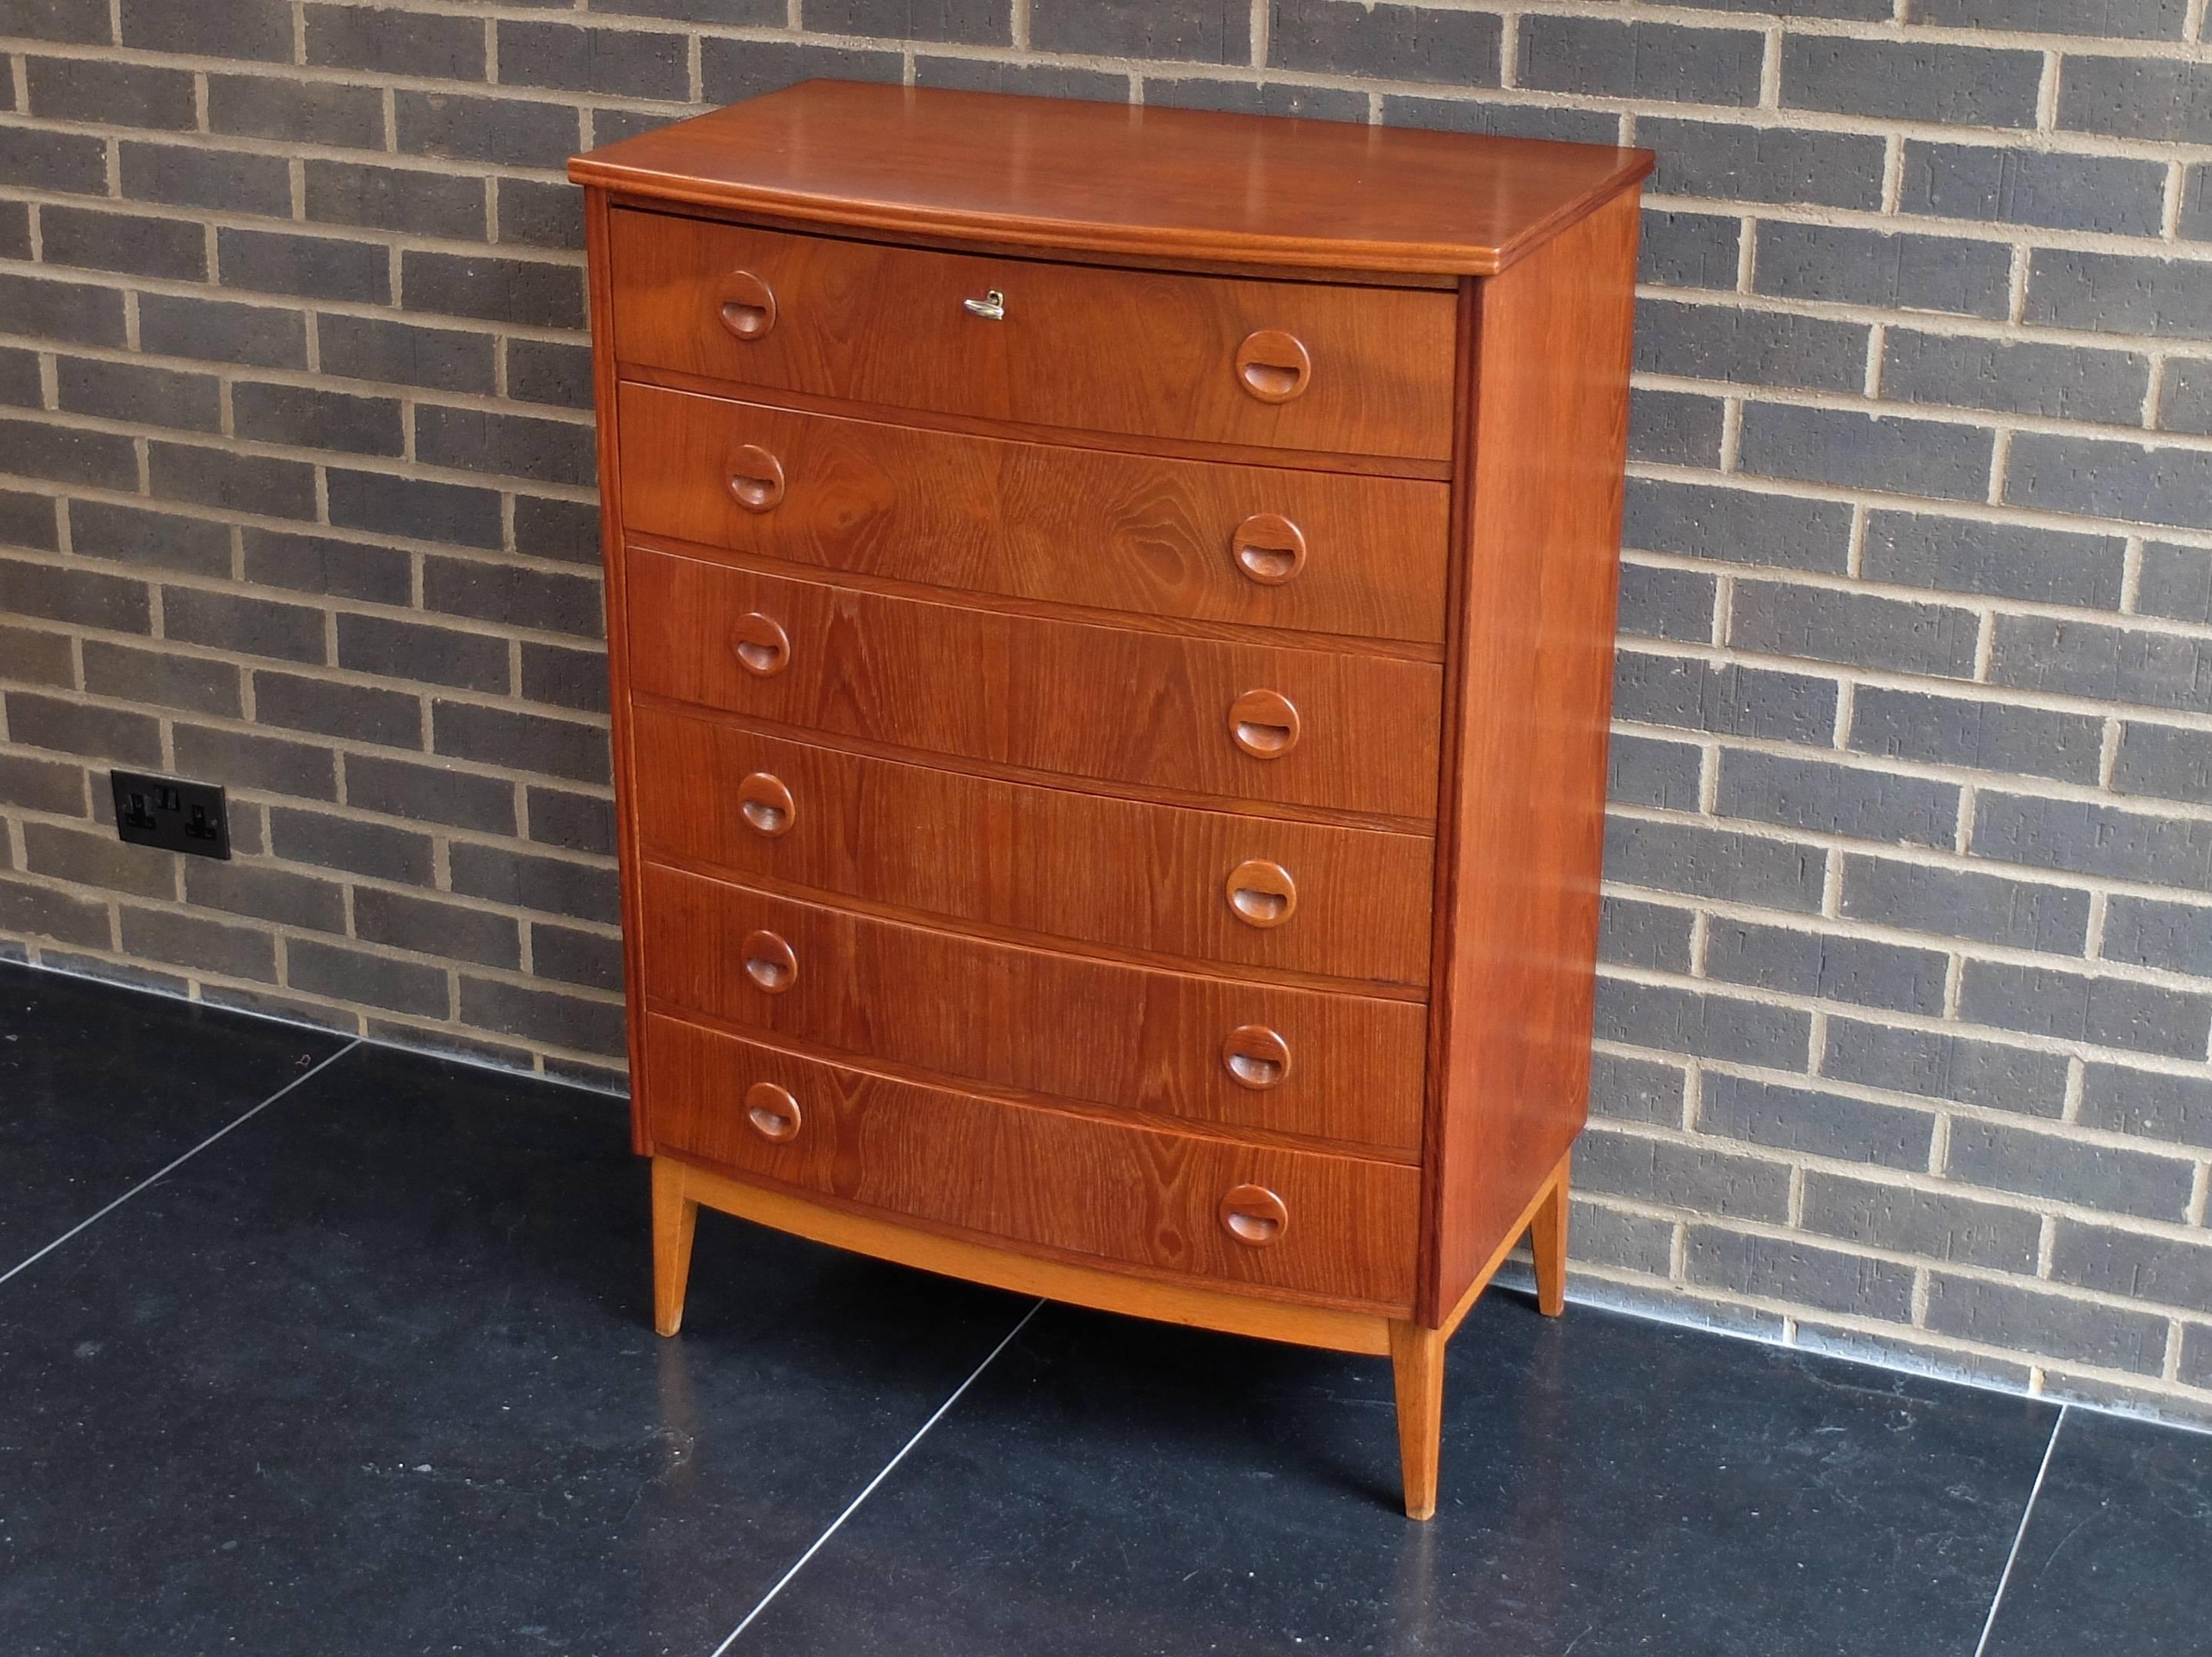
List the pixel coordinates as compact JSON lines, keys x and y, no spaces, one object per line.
{"x":2113,"y":1559}
{"x":100,"y":1087}
{"x":373,"y":1375}
{"x":1610,"y":1487}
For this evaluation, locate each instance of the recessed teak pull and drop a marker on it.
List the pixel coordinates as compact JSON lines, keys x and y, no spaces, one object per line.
{"x":766,"y":805}
{"x":769,"y":962}
{"x":755,"y":478}
{"x":1273,"y":366}
{"x":1262,"y":894}
{"x":773,"y":1112}
{"x":763,"y":648}
{"x":1264,"y":724}
{"x":1255,"y":1057}
{"x":1252,"y":1214}
{"x":1268,"y":548}
{"x":748,"y":305}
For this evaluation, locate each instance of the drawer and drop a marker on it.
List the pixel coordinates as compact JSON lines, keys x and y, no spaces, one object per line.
{"x":1045,"y":861}
{"x":1255,"y":722}
{"x":1335,"y":1228}
{"x":1237,"y":1056}
{"x":1296,"y":365}
{"x":1261,"y":545}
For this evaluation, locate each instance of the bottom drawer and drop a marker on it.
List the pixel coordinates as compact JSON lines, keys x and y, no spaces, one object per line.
{"x":1335,"y":1228}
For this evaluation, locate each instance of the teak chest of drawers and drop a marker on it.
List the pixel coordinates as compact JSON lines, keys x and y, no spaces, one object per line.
{"x":1111,"y":621}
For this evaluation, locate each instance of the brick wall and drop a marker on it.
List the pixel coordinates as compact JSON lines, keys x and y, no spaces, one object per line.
{"x":1903,"y":1031}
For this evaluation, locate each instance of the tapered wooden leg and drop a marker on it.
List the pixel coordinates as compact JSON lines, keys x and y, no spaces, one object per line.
{"x":1417,"y":1364}
{"x":1547,"y":1242}
{"x":674,"y":1218}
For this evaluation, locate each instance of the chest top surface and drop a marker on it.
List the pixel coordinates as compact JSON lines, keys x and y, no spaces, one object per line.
{"x":1112,"y":179}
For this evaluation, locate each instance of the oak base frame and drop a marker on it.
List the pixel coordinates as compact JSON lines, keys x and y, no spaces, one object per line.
{"x":1416,"y":1353}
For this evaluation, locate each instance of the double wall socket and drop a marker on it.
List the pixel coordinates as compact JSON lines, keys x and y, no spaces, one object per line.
{"x":171,"y":813}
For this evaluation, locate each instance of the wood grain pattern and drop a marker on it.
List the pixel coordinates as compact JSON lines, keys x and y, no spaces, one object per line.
{"x":1111,"y":704}
{"x":1106,"y":177}
{"x":1121,"y":1037}
{"x":1032,"y":520}
{"x":1043,"y":861}
{"x":1521,"y":859}
{"x":1077,"y":1185}
{"x":1417,"y":1372}
{"x":1080,"y":346}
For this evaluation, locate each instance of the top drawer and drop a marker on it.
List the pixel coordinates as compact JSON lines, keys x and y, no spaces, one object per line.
{"x":1294,"y":365}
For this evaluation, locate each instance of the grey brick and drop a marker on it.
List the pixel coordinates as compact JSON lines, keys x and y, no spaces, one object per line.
{"x":1645,"y":771}
{"x":1868,"y":451}
{"x":557,"y":603}
{"x":2062,"y":381}
{"x":1630,"y":1242}
{"x":547,"y":370}
{"x":1957,"y":903}
{"x":1662,"y":61}
{"x":529,"y":292}
{"x":575,"y":823}
{"x":1208,"y":92}
{"x":728,"y":13}
{"x":1758,"y":348}
{"x":2111,"y":664}
{"x":414,"y":507}
{"x":197,"y":943}
{"x":1674,"y":428}
{"x":2140,"y":20}
{"x":357,"y":975}
{"x":307,"y":112}
{"x":2108,"y":193}
{"x":420,"y":200}
{"x":2054,"y":473}
{"x":430,"y":927}
{"x":1707,"y":861}
{"x":289,"y":1008}
{"x":2157,"y":98}
{"x":314,"y":563}
{"x":361,"y":849}
{"x":115,"y":94}
{"x":1690,"y":250}
{"x":1207,"y":31}
{"x":70,"y":311}
{"x":1705,"y":1181}
{"x":574,"y":956}
{"x":1814,"y":1122}
{"x":2119,"y":293}
{"x":236,"y":483}
{"x":2055,"y":1169}
{"x":19,"y":379}
{"x":269,"y":764}
{"x":1786,"y":1269}
{"x":161,"y":678}
{"x":429,"y":793}
{"x":1764,"y":164}
{"x":2164,"y":761}
{"x":96,"y":859}
{"x":127,"y":242}
{"x":1655,"y":935}
{"x":37,"y":785}
{"x":561,"y":677}
{"x":1911,"y":80}
{"x":412,"y":652}
{"x":1732,"y":700}
{"x":523,"y":880}
{"x":1040,"y":80}
{"x":47,"y":912}
{"x":104,"y":460}
{"x":1861,"y":971}
{"x":28,"y":520}
{"x":1705,"y":1026}
{"x":2166,"y":1269}
{"x":253,"y":627}
{"x":974,"y":22}
{"x":306,"y":416}
{"x":1384,"y":42}
{"x":2149,"y":1105}
{"x":244,"y":28}
{"x":2003,"y":561}
{"x":508,"y":131}
{"x":1964,"y":731}
{"x":254,"y":336}
{"x":1623,"y":1090}
{"x":731,"y":69}
{"x":2110,"y":1013}
{"x":2032,"y":1320}
{"x":1850,"y":266}
{"x":1503,"y":119}
{"x":86,"y":22}
{"x":14,"y":230}
{"x":623,"y":63}
{"x":540,"y":215}
{"x":406,"y":354}
{"x":2175,"y":582}
{"x":1824,"y":798}
{"x":317,"y":267}
{"x":358,"y":713}
{"x":244,"y":887}
{"x":396,"y":42}
{"x":1660,"y":602}
{"x":2196,"y":1355}
{"x":2196,"y":205}
{"x":2147,"y":933}
{"x":136,"y":392}
{"x":1706,"y":521}
{"x":2185,"y":399}
{"x":1936,"y":1225}
{"x":35,"y":159}
{"x":512,"y":445}
{"x":229,"y":180}
{"x":563,"y":1020}
{"x":523,"y":741}
{"x":2094,"y":840}
{"x":1825,"y":624}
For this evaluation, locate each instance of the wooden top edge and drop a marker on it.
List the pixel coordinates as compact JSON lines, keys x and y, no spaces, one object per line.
{"x":1266,"y":191}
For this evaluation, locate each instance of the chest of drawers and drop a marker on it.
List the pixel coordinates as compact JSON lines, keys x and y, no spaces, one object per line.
{"x":1110,"y":614}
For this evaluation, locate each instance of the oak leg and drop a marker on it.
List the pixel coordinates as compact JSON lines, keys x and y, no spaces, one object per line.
{"x":674,"y":1218}
{"x":1416,"y":1365}
{"x":1547,"y":1242}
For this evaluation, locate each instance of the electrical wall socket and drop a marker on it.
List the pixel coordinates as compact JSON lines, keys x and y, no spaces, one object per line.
{"x":172,"y":814}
